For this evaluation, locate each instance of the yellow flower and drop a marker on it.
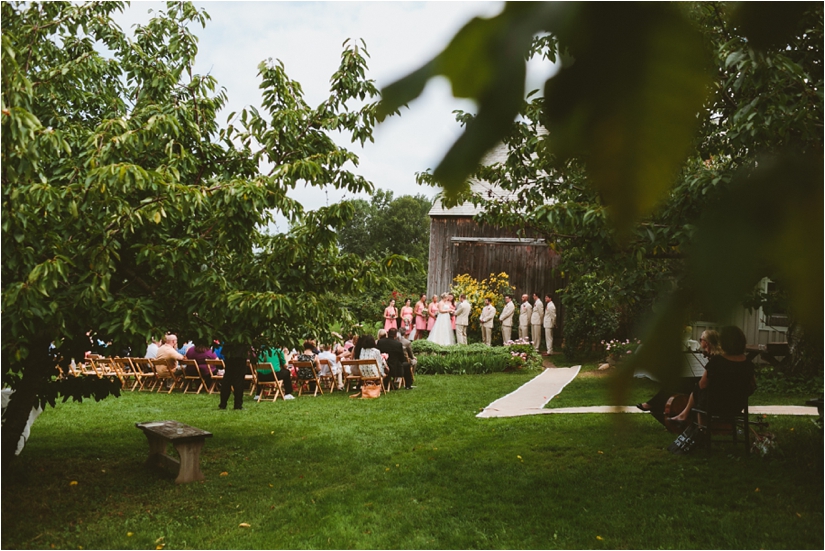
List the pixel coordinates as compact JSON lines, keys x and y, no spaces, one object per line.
{"x":73,"y":483}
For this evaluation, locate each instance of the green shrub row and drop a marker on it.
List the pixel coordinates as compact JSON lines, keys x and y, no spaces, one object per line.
{"x":472,"y":359}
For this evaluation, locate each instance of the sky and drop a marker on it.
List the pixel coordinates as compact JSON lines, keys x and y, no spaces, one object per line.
{"x":308,"y":37}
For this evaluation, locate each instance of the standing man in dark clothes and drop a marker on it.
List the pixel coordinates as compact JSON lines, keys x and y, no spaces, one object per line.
{"x":396,"y":358}
{"x":236,"y":369}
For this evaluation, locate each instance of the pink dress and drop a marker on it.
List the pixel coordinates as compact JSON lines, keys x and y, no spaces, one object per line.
{"x":420,"y":317}
{"x":452,"y":316}
{"x":389,"y":323}
{"x":406,"y":317}
{"x":433,"y":310}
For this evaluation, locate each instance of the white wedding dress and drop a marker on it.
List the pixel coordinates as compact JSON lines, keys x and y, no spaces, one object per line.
{"x":442,"y":332}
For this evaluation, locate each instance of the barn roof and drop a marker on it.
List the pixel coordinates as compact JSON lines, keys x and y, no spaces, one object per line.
{"x":497,"y":155}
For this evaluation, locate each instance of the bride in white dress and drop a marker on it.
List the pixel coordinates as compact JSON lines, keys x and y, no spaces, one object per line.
{"x":442,"y":332}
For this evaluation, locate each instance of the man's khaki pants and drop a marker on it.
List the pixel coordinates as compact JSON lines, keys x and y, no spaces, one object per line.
{"x":548,"y":339}
{"x":487,"y":335}
{"x":536,"y":337}
{"x":460,"y":334}
{"x":524,"y":332}
{"x":506,"y":333}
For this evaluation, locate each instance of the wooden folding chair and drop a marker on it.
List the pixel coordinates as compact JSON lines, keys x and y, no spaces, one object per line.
{"x":146,"y":374}
{"x":269,"y":388}
{"x":164,"y":373}
{"x":328,"y":379}
{"x":105,"y":368}
{"x":251,"y":378}
{"x":354,"y":376}
{"x":189,"y":380}
{"x":371,"y":372}
{"x":305,"y":380}
{"x":216,"y":379}
{"x":127,"y":373}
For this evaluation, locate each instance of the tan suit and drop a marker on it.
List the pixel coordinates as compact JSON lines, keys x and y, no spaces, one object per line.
{"x":488,"y":313}
{"x":535,"y":322}
{"x":506,"y":319}
{"x":525,"y":311}
{"x":549,"y":324}
{"x":462,"y":320}
{"x":171,"y":356}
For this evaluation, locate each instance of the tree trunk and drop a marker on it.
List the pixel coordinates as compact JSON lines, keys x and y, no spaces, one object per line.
{"x":36,"y":371}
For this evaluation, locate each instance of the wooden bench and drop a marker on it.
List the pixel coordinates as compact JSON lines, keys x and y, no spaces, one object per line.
{"x":188,"y":442}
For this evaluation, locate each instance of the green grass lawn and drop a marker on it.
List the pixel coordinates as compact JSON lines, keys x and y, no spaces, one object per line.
{"x":414,"y":469}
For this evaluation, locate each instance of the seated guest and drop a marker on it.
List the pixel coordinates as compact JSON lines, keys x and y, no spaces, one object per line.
{"x":275,"y":357}
{"x":200,"y":353}
{"x":709,"y":341}
{"x":727,"y":381}
{"x":327,"y":354}
{"x":169,"y":353}
{"x":367,"y":351}
{"x":308,"y":355}
{"x":396,"y":360}
{"x":407,"y":344}
{"x":152,"y":349}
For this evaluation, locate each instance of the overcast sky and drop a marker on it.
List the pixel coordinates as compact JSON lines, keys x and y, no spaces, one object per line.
{"x":308,"y":38}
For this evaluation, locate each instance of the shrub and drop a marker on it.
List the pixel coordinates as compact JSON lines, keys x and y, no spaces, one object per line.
{"x":472,"y":359}
{"x":590,"y":318}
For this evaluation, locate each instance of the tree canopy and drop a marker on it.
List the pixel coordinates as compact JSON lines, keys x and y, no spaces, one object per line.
{"x":678,"y":147}
{"x":129,"y":209}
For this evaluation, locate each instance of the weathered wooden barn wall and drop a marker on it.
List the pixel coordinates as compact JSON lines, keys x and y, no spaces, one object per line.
{"x":458,"y":245}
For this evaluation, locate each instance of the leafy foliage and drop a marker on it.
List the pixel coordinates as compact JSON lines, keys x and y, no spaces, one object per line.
{"x":128,"y":210}
{"x":676,"y":156}
{"x":471,"y":359}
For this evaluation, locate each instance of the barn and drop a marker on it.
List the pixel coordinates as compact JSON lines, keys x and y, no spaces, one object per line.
{"x":460,"y":245}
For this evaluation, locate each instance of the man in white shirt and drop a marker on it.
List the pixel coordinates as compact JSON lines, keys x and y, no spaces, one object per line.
{"x":506,"y":319}
{"x":524,"y":318}
{"x":536,"y":320}
{"x":327,"y":354}
{"x":549,"y":322}
{"x":152,"y":349}
{"x":488,"y":313}
{"x":462,"y":320}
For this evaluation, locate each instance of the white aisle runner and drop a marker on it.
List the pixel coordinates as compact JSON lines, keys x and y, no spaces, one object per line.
{"x":531,"y":397}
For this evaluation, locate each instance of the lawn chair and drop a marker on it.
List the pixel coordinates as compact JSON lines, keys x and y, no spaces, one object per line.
{"x":354,"y":376}
{"x":371,"y":373}
{"x":329,"y":378}
{"x":190,"y":380}
{"x":148,"y":377}
{"x":251,"y":378}
{"x":269,"y":388}
{"x":105,"y":368}
{"x":216,"y":379}
{"x":127,"y":373}
{"x":164,"y":373}
{"x":306,"y":374}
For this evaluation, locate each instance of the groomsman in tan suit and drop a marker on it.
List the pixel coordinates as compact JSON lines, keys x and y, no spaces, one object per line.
{"x":549,"y":322}
{"x":488,"y":314}
{"x":506,"y":319}
{"x":524,"y":318}
{"x":462,"y":320}
{"x":536,"y":320}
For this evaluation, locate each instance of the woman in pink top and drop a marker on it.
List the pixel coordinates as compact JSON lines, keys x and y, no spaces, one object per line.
{"x":420,"y":316}
{"x":451,"y":302}
{"x":389,"y":316}
{"x":407,"y":316}
{"x":432,"y":310}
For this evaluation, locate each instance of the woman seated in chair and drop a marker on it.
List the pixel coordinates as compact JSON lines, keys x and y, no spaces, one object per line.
{"x":367,"y":351}
{"x":308,"y":355}
{"x":709,"y":341}
{"x":200,"y":353}
{"x":275,"y":357}
{"x":727,"y":382}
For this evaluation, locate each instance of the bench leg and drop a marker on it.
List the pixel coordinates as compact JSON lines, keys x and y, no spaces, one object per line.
{"x":157,"y":451}
{"x":190,"y":462}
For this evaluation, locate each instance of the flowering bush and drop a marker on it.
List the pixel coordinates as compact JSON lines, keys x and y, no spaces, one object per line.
{"x":618,"y":349}
{"x":494,"y":288}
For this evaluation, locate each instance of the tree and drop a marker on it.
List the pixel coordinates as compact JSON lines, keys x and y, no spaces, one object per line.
{"x":128,"y":209}
{"x":683,"y":146}
{"x":383,"y":228}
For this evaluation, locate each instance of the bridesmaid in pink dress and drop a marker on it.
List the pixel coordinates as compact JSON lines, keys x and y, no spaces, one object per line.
{"x":407,"y":316}
{"x":432,"y":310}
{"x":389,"y":316}
{"x":420,"y":316}
{"x":451,"y":302}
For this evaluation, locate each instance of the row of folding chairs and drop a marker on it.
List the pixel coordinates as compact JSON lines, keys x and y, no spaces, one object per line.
{"x":151,"y":375}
